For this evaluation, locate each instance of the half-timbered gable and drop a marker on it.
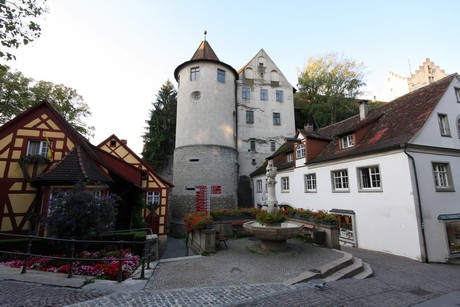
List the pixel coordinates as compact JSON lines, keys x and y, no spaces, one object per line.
{"x":156,"y":188}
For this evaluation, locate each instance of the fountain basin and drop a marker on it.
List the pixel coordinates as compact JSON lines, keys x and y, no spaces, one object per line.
{"x":273,"y":238}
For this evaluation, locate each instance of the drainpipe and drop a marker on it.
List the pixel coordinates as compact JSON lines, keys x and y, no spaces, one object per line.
{"x":419,"y":200}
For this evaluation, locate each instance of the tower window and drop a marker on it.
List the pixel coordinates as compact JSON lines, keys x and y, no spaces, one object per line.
{"x":194,"y":73}
{"x":252,"y":145}
{"x":221,"y":75}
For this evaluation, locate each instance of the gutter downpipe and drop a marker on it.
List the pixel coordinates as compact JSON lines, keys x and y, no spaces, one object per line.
{"x":422,"y":226}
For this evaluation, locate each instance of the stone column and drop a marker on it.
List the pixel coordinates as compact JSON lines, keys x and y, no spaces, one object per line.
{"x":272,"y":203}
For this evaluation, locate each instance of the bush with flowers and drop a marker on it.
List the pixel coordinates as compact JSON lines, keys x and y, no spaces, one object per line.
{"x":105,"y":267}
{"x":267,"y":218}
{"x":196,"y":220}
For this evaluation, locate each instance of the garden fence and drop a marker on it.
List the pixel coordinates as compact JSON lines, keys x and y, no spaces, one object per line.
{"x":149,"y":251}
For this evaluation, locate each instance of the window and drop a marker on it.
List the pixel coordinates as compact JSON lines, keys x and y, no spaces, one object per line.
{"x":458,"y":127}
{"x":263,"y":94}
{"x":290,"y":157}
{"x":38,"y":148}
{"x":272,"y":146}
{"x":442,"y":176}
{"x":300,"y":151}
{"x":284,"y":184}
{"x":347,"y":141}
{"x":369,"y":178}
{"x":310,"y":183}
{"x":194,"y":73}
{"x":259,"y":186}
{"x":444,"y":124}
{"x":276,"y":119}
{"x":340,"y":180}
{"x":246,"y":92}
{"x":249,"y":117}
{"x":279,"y":96}
{"x":153,"y":197}
{"x":252,"y":145}
{"x":457,"y":93}
{"x":221,"y":75}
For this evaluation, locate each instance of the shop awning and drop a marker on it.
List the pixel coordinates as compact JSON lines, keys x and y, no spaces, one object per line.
{"x":449,"y":217}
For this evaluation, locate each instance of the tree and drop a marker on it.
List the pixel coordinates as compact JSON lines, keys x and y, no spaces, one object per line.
{"x":80,"y":213}
{"x":18,"y":93}
{"x":18,"y":23}
{"x":328,"y":87}
{"x":159,"y":140}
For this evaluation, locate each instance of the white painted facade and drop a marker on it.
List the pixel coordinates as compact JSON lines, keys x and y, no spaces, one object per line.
{"x":262,"y":73}
{"x":403,"y":216}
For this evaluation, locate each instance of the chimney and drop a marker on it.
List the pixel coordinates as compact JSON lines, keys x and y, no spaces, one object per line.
{"x":308,"y":127}
{"x":125,"y":142}
{"x":363,"y":109}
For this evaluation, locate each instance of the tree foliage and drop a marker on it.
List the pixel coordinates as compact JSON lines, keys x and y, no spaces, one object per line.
{"x":159,"y":140}
{"x":18,"y":93}
{"x":18,"y":24}
{"x":328,"y":87}
{"x":80,"y":213}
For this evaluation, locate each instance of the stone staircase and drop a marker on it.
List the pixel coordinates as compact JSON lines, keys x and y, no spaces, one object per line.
{"x":345,"y":267}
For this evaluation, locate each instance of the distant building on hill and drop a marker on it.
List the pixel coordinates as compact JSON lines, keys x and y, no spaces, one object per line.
{"x":397,"y":85}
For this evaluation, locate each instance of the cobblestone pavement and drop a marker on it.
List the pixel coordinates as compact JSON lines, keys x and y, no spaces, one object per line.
{"x":242,"y":276}
{"x":16,"y":293}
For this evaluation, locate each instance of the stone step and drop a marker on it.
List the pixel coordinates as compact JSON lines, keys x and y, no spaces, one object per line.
{"x":322,"y":271}
{"x":351,"y":270}
{"x":345,"y":267}
{"x":366,"y":273}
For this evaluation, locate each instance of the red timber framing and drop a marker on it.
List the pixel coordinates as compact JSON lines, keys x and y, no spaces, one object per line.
{"x":38,"y":145}
{"x":150,"y":181}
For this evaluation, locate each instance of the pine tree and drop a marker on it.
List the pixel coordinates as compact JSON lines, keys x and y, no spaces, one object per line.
{"x":160,"y":136}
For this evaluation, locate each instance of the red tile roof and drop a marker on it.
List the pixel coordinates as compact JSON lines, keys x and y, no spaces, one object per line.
{"x":391,"y":125}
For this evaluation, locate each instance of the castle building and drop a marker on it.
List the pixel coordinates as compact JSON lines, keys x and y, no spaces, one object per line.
{"x":227,"y":123}
{"x":396,"y":85}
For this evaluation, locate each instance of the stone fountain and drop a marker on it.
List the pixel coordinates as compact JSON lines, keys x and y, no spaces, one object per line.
{"x":272,"y":237}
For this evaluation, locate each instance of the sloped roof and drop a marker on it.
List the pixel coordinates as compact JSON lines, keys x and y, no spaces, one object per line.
{"x":142,"y":161}
{"x":280,"y":164}
{"x":75,"y":166}
{"x":204,"y":53}
{"x":391,"y":125}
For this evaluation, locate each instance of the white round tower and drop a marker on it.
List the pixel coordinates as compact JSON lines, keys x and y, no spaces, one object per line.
{"x":205,"y":153}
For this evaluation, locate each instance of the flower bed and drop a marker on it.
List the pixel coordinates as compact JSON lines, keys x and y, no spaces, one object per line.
{"x":105,"y":267}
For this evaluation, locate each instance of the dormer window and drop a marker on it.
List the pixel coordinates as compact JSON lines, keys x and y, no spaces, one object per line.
{"x":300,"y":151}
{"x":347,"y":141}
{"x":290,"y":157}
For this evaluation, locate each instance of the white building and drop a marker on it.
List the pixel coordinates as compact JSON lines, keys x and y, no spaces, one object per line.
{"x":265,"y":103}
{"x":392,"y":174}
{"x":227,"y":123}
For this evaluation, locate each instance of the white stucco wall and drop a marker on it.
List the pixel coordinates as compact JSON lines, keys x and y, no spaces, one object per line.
{"x":216,"y":107}
{"x":262,"y":130}
{"x":385,"y":220}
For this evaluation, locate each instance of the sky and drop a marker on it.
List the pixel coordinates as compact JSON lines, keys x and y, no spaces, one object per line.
{"x":117,"y":54}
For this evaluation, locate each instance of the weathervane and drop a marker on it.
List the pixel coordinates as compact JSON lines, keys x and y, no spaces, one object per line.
{"x":205,"y":32}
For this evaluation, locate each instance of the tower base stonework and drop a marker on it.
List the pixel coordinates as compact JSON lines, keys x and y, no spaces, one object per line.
{"x":202,"y":165}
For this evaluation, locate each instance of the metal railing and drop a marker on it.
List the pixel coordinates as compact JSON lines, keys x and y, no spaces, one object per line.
{"x":150,"y":250}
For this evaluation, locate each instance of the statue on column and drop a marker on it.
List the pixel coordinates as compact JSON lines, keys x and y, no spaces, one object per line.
{"x":272,"y":203}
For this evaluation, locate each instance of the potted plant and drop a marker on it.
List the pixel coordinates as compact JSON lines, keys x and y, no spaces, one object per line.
{"x":196,"y":220}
